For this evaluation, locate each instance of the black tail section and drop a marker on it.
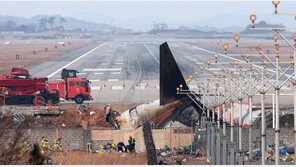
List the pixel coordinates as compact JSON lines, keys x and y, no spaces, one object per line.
{"x":170,"y":76}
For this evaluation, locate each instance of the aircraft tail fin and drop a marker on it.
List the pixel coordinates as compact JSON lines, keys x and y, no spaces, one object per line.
{"x":170,"y":76}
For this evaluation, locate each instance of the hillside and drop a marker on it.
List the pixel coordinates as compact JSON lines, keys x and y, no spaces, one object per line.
{"x":69,"y":24}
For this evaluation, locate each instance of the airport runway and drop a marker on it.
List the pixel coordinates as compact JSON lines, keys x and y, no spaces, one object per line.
{"x":126,"y":70}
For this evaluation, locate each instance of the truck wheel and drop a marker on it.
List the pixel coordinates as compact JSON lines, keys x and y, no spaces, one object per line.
{"x":40,"y":101}
{"x":79,"y":99}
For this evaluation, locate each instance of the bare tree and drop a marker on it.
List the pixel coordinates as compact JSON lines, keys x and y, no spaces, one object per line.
{"x":43,"y":24}
{"x":13,"y":143}
{"x":160,"y":26}
{"x":62,"y":21}
{"x":51,"y":22}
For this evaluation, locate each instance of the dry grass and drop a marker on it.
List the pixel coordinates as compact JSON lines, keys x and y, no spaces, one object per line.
{"x":83,"y":158}
{"x":27,"y":59}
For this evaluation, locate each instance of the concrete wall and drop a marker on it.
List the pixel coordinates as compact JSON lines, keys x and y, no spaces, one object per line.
{"x":161,"y":137}
{"x":77,"y":137}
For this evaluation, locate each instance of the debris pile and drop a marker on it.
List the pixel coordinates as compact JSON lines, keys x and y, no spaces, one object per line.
{"x":179,"y":155}
{"x":70,"y":116}
{"x":284,"y":156}
{"x":81,"y":117}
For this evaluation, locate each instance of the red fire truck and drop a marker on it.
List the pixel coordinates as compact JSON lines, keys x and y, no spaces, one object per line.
{"x":20,"y":88}
{"x":72,"y":87}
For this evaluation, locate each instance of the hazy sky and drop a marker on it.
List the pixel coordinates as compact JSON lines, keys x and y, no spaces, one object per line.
{"x":145,"y":13}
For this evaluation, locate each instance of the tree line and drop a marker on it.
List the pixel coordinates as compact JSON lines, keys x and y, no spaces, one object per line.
{"x":44,"y":24}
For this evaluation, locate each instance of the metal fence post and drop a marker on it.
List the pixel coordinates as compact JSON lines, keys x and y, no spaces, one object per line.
{"x":224,"y":151}
{"x":218,"y":147}
{"x":232,"y":155}
{"x":213,"y":147}
{"x":208,"y":139}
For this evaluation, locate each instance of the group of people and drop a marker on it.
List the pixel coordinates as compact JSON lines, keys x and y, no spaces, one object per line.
{"x":128,"y":148}
{"x":121,"y":147}
{"x":46,"y":146}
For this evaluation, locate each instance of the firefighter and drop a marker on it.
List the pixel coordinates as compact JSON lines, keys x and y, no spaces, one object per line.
{"x":112,"y":146}
{"x":44,"y":143}
{"x":120,"y":147}
{"x":108,"y":146}
{"x":132,"y":143}
{"x":57,"y":143}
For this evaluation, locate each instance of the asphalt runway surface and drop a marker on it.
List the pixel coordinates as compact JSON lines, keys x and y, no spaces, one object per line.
{"x":126,"y":69}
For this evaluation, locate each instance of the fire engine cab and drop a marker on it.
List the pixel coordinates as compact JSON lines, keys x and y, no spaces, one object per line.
{"x":71,"y":87}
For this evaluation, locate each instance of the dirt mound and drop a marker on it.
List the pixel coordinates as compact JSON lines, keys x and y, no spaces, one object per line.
{"x":71,"y":116}
{"x":68,"y":119}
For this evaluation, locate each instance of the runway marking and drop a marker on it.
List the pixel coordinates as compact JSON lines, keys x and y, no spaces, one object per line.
{"x":78,"y":58}
{"x":118,"y":63}
{"x":96,"y":87}
{"x":120,"y":57}
{"x":199,"y":63}
{"x":102,"y":69}
{"x":151,"y":53}
{"x":117,"y":87}
{"x":98,"y":73}
{"x":119,"y":60}
{"x":193,"y":59}
{"x":115,"y":72}
{"x":113,"y":80}
{"x":105,"y":63}
{"x":94,"y":80}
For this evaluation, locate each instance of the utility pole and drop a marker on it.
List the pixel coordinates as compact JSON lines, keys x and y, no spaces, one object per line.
{"x":218,"y":108}
{"x":273,"y":110}
{"x":263,"y":122}
{"x":224,"y":119}
{"x":232,"y":118}
{"x":250,"y":117}
{"x":240,"y":116}
{"x":208,"y":105}
{"x":277,"y":120}
{"x":263,"y":127}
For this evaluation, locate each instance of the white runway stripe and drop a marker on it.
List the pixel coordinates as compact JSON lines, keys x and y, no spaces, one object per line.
{"x":96,"y":87}
{"x":112,"y":80}
{"x":80,"y":57}
{"x":151,"y":53}
{"x":115,"y":72}
{"x":102,"y":69}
